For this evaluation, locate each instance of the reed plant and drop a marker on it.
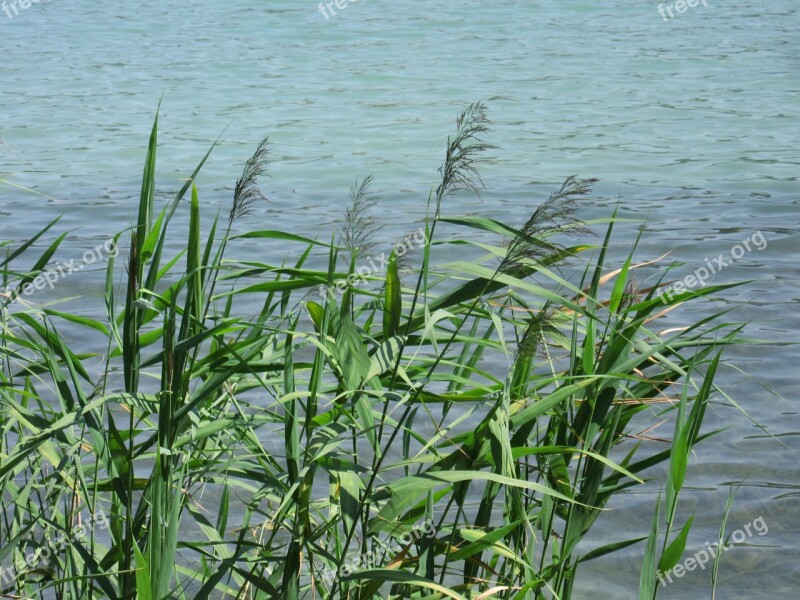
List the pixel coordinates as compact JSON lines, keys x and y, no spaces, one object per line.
{"x":443,"y":429}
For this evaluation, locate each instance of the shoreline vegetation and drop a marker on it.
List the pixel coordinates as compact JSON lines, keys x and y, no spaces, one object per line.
{"x":263,"y":457}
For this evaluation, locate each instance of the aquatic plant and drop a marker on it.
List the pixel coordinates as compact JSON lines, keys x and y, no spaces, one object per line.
{"x":452,"y":433}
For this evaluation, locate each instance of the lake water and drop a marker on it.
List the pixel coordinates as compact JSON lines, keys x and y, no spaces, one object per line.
{"x":692,"y":123}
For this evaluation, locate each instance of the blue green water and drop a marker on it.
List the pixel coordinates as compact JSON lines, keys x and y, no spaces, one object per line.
{"x":692,"y":123}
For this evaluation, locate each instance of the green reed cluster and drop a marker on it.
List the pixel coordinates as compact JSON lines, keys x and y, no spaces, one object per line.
{"x":262,"y":455}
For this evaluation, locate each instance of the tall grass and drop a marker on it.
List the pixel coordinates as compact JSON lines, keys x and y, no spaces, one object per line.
{"x":452,"y":429}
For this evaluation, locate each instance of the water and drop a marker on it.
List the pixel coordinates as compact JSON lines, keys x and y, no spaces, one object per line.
{"x":691,"y":123}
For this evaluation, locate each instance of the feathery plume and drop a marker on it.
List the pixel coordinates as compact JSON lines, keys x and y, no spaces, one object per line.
{"x":539,"y":325}
{"x":554,"y":215}
{"x":459,"y":170}
{"x":246,"y":192}
{"x":631,"y":294}
{"x":359,"y":227}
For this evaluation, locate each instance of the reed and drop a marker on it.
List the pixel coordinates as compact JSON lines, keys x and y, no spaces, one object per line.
{"x":407,"y":463}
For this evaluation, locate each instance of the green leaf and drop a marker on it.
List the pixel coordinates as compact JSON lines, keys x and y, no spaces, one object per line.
{"x":588,"y":348}
{"x":142,"y":575}
{"x":619,"y":287}
{"x":393,"y":576}
{"x":609,"y":549}
{"x":647,"y":579}
{"x":674,"y":551}
{"x":392,"y":300}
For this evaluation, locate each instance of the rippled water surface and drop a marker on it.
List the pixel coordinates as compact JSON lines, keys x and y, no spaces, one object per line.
{"x":692,"y":124}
